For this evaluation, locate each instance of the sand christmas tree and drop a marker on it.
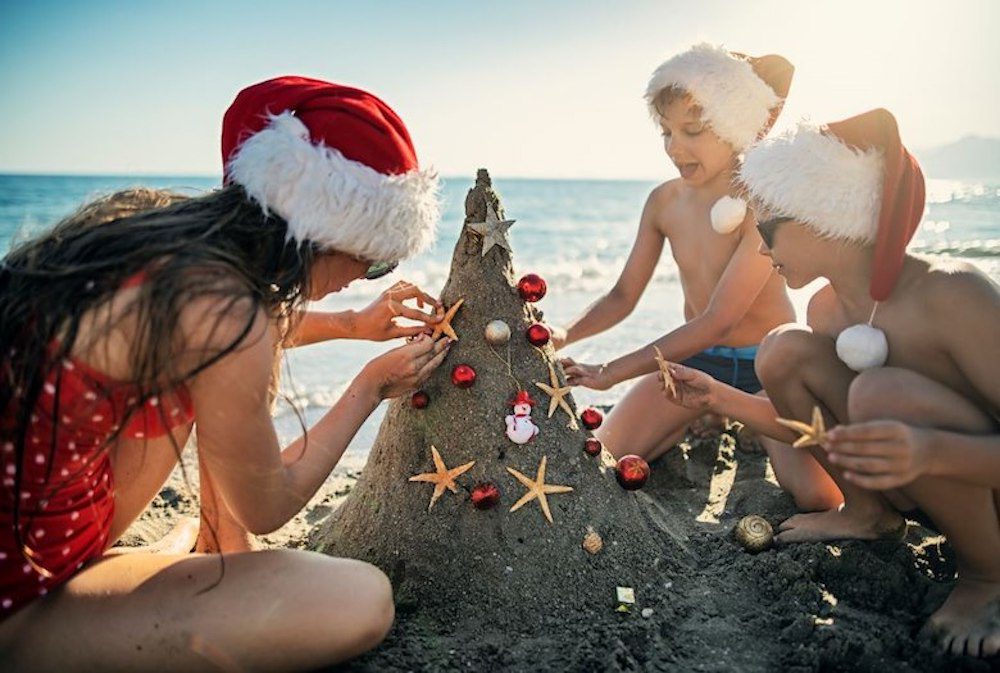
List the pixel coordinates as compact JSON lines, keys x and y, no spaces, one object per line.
{"x":485,"y":495}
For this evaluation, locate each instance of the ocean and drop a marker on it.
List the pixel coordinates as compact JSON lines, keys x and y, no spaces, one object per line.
{"x":574,"y":233}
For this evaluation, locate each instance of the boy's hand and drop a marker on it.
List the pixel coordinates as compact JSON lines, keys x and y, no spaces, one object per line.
{"x":879,"y":455}
{"x":377,"y":322}
{"x":558,"y":337}
{"x":588,"y":376}
{"x":694,"y":389}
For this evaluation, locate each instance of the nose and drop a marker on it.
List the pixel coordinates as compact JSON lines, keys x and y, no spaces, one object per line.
{"x":762,"y":249}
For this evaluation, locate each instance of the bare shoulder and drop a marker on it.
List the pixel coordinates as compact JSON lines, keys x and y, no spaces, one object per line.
{"x":661,"y":203}
{"x":952,"y":285}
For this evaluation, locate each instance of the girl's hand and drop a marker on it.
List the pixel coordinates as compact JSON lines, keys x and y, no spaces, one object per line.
{"x":589,"y":376}
{"x":404,"y":369}
{"x":377,"y":322}
{"x":879,"y":455}
{"x":694,"y":389}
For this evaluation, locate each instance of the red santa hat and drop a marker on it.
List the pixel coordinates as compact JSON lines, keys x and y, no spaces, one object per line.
{"x":740,"y":96}
{"x":335,"y":162}
{"x":522,"y":397}
{"x":851,"y":180}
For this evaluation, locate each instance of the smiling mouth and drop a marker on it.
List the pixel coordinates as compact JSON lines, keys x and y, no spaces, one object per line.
{"x":688,"y":169}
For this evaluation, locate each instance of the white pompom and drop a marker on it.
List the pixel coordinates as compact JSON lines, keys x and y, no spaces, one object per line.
{"x":727,"y":214}
{"x":862,"y":347}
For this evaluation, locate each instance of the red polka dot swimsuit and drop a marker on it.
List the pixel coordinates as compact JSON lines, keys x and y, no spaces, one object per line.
{"x":67,"y":491}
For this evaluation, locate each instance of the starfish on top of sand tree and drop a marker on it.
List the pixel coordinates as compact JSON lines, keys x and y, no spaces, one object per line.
{"x":557,"y":395}
{"x":664,"y":365}
{"x":444,"y":327}
{"x":442,"y":477}
{"x":537,"y":488}
{"x":493,"y":230}
{"x":812,"y":435}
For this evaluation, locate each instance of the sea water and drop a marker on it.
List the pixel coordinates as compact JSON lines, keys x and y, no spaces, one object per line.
{"x":575,"y":233}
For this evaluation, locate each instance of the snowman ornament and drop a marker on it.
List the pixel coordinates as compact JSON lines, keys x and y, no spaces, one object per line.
{"x":520,"y":428}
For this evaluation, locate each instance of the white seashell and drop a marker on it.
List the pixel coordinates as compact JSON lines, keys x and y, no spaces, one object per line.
{"x":497,"y":332}
{"x":727,"y":214}
{"x":862,"y":347}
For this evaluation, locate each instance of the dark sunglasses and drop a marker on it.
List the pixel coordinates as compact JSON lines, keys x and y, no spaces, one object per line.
{"x":379,"y":269}
{"x":768,"y":227}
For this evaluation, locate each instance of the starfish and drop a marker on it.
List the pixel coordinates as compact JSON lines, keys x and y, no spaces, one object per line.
{"x":668,"y":379}
{"x":812,"y":435}
{"x":537,"y":488}
{"x":493,"y":231}
{"x":557,"y":396}
{"x":442,"y":478}
{"x":444,"y":327}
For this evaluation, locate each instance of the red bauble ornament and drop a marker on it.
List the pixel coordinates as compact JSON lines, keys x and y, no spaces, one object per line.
{"x":485,"y":495}
{"x":592,"y":418}
{"x":538,"y":335}
{"x":420,"y":400}
{"x":463,"y":376}
{"x":593,"y":446}
{"x":632,"y":472}
{"x":531,"y":287}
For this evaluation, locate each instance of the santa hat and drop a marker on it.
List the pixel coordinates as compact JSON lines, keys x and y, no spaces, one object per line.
{"x":336,"y":163}
{"x":851,"y":180}
{"x":740,"y":96}
{"x":522,"y":397}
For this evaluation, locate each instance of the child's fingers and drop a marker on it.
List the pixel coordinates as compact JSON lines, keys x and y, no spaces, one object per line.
{"x":863,"y":432}
{"x":874,"y":482}
{"x":431,"y":365}
{"x":873,"y":465}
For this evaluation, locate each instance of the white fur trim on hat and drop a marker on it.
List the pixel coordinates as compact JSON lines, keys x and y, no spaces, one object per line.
{"x":816,"y":178}
{"x":734,"y":100}
{"x":332,"y":201}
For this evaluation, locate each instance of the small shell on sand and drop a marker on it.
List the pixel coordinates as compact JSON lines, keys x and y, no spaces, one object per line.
{"x":754,"y":533}
{"x":592,"y":542}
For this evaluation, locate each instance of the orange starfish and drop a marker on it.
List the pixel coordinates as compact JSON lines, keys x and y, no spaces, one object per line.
{"x":668,"y":379}
{"x":556,"y":395}
{"x":442,"y":478}
{"x":537,"y":488}
{"x":812,"y":435}
{"x":444,"y":327}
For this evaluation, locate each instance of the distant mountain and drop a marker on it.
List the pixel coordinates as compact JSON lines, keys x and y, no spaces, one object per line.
{"x":972,"y":157}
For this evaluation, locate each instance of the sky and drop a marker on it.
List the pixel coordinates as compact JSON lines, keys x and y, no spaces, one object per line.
{"x":527,"y":89}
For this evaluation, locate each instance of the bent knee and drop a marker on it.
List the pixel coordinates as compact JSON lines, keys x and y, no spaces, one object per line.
{"x":875,"y":393}
{"x":785,"y":349}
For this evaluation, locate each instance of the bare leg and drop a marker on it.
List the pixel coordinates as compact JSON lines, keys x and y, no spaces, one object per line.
{"x":799,"y":370}
{"x":275,"y":610}
{"x":967,"y":514}
{"x":644,"y":422}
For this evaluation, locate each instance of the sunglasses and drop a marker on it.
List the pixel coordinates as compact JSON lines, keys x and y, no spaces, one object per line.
{"x":767,"y":229}
{"x":379,"y":269}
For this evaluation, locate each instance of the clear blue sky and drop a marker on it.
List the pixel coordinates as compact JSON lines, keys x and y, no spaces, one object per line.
{"x":526,"y":88}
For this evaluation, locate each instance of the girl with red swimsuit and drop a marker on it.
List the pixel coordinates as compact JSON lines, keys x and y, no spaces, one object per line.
{"x":119,"y":335}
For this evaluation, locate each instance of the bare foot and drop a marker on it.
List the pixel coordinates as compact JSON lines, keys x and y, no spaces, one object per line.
{"x":842,"y":524}
{"x":179,"y":540}
{"x":969,"y":620}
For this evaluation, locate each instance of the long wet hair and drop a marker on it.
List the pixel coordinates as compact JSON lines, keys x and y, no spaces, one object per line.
{"x":220,"y":246}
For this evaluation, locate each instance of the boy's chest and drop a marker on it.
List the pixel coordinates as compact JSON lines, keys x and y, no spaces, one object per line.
{"x":700,"y":252}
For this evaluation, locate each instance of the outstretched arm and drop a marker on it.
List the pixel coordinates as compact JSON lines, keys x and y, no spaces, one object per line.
{"x":613,"y":307}
{"x":738,"y":288}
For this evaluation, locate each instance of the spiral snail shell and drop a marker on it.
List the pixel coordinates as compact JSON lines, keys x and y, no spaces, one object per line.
{"x":754,"y":533}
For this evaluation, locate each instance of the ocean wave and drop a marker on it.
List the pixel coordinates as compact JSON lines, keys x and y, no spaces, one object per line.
{"x":974,"y":248}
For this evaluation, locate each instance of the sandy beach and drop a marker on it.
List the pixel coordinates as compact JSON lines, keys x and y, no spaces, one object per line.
{"x":854,"y":606}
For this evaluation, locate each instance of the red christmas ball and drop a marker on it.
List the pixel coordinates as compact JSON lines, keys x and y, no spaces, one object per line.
{"x":485,"y":495}
{"x":463,"y":376}
{"x":593,"y":446}
{"x":538,"y":334}
{"x":592,"y":418}
{"x":531,"y":287}
{"x":420,"y":400}
{"x":632,"y":472}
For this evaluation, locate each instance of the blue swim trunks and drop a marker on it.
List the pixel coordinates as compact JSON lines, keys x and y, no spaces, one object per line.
{"x":732,"y":366}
